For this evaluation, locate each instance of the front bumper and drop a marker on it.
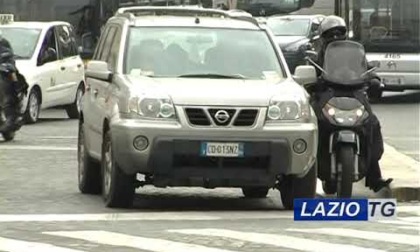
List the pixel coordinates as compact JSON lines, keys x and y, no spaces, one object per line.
{"x":173,"y":155}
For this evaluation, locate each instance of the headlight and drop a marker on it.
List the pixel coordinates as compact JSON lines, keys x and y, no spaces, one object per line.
{"x":152,"y":107}
{"x":288,"y":108}
{"x":344,"y":117}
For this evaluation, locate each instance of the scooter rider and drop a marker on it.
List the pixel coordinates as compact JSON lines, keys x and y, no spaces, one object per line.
{"x":334,"y":28}
{"x":14,"y":88}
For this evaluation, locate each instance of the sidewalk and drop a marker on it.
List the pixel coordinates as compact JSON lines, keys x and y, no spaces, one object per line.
{"x":406,"y":174}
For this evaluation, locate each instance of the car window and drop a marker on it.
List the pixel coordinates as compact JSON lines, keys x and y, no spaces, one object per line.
{"x":66,"y":42}
{"x":289,"y":27}
{"x":172,"y":52}
{"x":107,"y":44}
{"x":99,"y":47}
{"x":115,"y":46}
{"x":49,"y":42}
{"x":22,"y":40}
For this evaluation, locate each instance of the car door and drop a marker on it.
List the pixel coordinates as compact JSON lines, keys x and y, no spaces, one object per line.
{"x":48,"y":68}
{"x":71,"y":65}
{"x":95,"y":94}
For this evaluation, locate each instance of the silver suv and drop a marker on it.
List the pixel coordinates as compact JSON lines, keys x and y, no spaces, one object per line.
{"x":194,"y":97}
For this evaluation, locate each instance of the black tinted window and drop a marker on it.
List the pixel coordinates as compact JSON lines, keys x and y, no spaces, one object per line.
{"x":66,"y":42}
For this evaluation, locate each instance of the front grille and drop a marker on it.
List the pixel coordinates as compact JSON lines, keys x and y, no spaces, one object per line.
{"x":221,"y":117}
{"x":246,"y":117}
{"x":197,"y":116}
{"x":191,"y":161}
{"x":215,"y":113}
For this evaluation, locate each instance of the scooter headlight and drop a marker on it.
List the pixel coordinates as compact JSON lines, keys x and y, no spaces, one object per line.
{"x":344,"y":117}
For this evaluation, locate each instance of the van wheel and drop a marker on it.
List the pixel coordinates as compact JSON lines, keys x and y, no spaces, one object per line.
{"x":89,"y":171}
{"x":293,"y":187}
{"x":255,"y":192}
{"x":73,"y":110}
{"x":118,"y":188}
{"x":34,"y":107}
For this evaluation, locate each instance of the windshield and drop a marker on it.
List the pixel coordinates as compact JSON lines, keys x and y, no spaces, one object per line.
{"x":22,"y":40}
{"x":289,"y":27}
{"x":175,"y":52}
{"x":387,"y":26}
{"x":349,"y":71}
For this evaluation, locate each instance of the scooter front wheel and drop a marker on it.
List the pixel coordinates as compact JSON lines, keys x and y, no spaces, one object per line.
{"x":8,"y":136}
{"x":345,"y":168}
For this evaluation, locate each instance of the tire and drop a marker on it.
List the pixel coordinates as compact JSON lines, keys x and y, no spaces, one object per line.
{"x":118,"y":188}
{"x":329,"y":188}
{"x":293,"y":187}
{"x":33,"y":107}
{"x":73,"y":110}
{"x":255,"y":192}
{"x":89,"y":171}
{"x":8,"y":136}
{"x":345,"y":167}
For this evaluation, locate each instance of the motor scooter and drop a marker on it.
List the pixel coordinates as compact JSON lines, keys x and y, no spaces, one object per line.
{"x":338,"y":99}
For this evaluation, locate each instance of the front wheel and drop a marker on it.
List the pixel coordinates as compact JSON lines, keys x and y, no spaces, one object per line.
{"x":34,"y":107}
{"x":293,"y":187}
{"x":118,"y":188}
{"x":345,"y":168}
{"x":8,"y":136}
{"x":73,"y":110}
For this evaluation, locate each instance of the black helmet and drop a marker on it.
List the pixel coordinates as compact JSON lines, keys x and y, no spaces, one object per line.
{"x":333,"y":28}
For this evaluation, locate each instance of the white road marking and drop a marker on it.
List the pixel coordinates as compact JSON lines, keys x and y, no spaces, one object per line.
{"x":10,"y":245}
{"x":175,"y":216}
{"x":275,"y":240}
{"x":37,"y":147}
{"x":396,"y":222}
{"x":368,"y":235}
{"x":409,"y":209}
{"x":415,"y":219}
{"x":149,"y":244}
{"x":411,"y":228}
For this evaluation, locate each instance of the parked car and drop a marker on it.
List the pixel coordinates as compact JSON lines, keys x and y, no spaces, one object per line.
{"x":294,"y":34}
{"x":46,"y":54}
{"x":172,"y":94}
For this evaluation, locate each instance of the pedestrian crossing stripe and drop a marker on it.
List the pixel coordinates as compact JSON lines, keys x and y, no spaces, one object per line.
{"x":11,"y":245}
{"x":360,"y":234}
{"x":287,"y":241}
{"x":150,"y":244}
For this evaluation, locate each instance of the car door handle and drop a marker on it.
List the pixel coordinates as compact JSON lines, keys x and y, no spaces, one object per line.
{"x":79,"y":65}
{"x":63,"y":68}
{"x":95,"y":92}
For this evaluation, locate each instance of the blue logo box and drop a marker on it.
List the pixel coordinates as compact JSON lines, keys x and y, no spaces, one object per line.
{"x":344,"y":209}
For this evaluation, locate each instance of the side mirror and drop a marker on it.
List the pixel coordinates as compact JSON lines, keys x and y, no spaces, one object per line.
{"x":315,"y":37}
{"x":374,"y":63}
{"x":312,"y":55}
{"x":305,"y":75}
{"x":98,"y":70}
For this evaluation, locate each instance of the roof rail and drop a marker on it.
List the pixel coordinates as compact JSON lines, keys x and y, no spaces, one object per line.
{"x":133,"y":11}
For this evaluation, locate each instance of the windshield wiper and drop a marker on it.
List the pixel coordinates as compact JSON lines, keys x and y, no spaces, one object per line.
{"x":212,"y":75}
{"x":19,"y":57}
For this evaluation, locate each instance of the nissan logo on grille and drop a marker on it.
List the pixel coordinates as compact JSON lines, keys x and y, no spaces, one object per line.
{"x":222,"y":116}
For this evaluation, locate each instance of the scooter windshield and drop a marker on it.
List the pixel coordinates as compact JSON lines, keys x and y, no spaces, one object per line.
{"x":345,"y":63}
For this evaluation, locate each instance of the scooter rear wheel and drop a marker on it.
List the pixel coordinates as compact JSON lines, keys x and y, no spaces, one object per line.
{"x":345,"y":167}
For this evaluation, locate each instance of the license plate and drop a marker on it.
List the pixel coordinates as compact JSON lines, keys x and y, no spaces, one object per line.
{"x":393,"y":80}
{"x":222,"y":150}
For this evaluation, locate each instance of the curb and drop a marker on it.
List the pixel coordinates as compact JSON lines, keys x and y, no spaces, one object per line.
{"x":406,"y":174}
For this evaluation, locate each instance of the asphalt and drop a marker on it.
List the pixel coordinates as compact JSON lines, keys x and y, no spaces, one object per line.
{"x":41,"y":209}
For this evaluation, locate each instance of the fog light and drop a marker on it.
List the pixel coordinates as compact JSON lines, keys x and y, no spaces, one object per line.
{"x":299,"y":146}
{"x":140,"y":143}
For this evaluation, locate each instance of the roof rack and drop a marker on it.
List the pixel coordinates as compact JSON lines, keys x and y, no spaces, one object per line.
{"x":197,"y":11}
